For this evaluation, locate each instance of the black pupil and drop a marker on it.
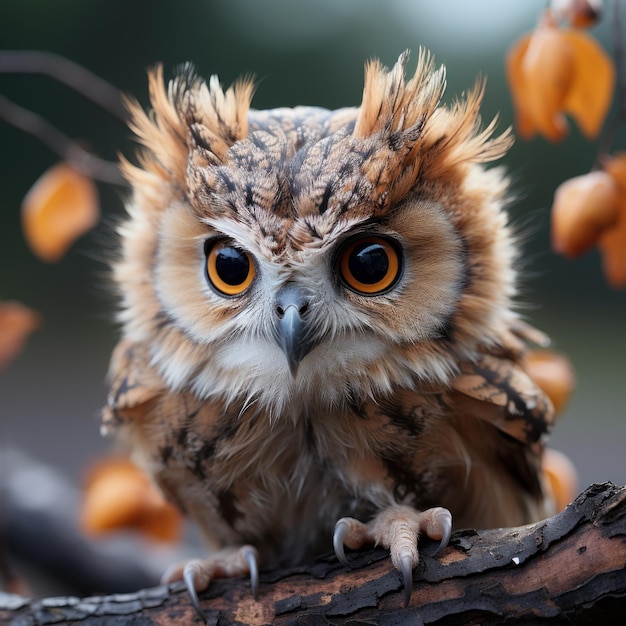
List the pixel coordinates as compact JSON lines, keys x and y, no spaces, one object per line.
{"x":232,"y":265}
{"x":369,"y":263}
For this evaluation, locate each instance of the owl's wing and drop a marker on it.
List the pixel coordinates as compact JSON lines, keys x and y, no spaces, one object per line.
{"x":504,"y":395}
{"x":134,"y":385}
{"x":497,"y":391}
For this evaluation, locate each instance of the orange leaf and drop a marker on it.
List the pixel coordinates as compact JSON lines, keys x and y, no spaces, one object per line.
{"x":60,"y":207}
{"x":120,"y":496}
{"x":17,"y":322}
{"x":554,"y":375}
{"x":561,"y":475}
{"x":524,"y":124}
{"x":591,"y":90}
{"x":584,"y":207}
{"x":612,"y":244}
{"x":548,"y":71}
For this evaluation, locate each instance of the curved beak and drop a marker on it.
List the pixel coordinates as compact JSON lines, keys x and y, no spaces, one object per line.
{"x":292,"y":328}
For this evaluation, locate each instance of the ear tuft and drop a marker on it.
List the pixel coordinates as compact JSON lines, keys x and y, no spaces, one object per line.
{"x":190,"y":123}
{"x":413,"y":136}
{"x":395,"y":107}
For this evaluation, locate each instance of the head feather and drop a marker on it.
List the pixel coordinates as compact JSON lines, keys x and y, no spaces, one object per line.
{"x":415,"y":138}
{"x":190,"y":121}
{"x":397,"y":108}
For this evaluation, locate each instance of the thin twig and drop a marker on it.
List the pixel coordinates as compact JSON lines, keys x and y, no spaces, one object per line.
{"x":68,"y":73}
{"x":61,"y":144}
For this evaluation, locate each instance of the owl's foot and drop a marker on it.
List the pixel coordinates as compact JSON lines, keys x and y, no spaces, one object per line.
{"x":398,"y":529}
{"x":228,"y":563}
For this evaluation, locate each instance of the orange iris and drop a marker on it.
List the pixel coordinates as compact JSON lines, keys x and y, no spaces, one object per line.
{"x":230,"y":270}
{"x":370,"y":265}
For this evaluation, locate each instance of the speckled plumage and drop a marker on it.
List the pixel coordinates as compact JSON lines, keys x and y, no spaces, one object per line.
{"x":415,"y":395}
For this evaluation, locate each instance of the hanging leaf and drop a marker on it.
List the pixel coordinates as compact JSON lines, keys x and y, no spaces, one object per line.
{"x":584,"y":207}
{"x":548,"y":70}
{"x":612,"y":245}
{"x":591,"y":92}
{"x":524,"y":123}
{"x":17,"y":322}
{"x":561,"y":475}
{"x":120,"y":496}
{"x":555,"y":71}
{"x":554,"y":375}
{"x":60,"y":207}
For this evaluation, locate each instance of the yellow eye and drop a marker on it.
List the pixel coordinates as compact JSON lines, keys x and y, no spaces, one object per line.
{"x":370,"y":265}
{"x":230,"y":270}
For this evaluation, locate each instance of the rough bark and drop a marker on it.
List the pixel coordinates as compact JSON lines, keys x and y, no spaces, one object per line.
{"x":570,"y":568}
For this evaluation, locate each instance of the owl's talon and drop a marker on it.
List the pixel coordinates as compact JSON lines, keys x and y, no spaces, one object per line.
{"x":251,"y":557}
{"x":397,"y":528}
{"x":406,"y":568}
{"x":352,"y":533}
{"x":341,"y":530}
{"x":197,"y":574}
{"x":444,"y":519}
{"x":190,"y":576}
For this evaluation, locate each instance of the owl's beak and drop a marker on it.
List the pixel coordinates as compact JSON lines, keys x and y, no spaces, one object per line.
{"x":292,"y":329}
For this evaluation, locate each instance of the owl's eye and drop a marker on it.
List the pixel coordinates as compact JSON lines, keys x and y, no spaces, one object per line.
{"x":230,"y":270}
{"x":370,"y":265}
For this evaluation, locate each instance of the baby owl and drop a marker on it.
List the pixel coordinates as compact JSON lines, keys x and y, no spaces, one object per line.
{"x":318,"y":336}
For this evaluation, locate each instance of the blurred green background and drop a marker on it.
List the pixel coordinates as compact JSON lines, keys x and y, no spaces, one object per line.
{"x":302,"y":52}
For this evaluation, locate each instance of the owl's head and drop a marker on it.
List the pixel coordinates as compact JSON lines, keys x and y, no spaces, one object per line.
{"x":311,"y":255}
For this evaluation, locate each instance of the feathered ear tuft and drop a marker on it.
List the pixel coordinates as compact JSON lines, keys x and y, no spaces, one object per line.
{"x":190,"y":124}
{"x":396,"y":108}
{"x":413,"y":136}
{"x":459,"y":133}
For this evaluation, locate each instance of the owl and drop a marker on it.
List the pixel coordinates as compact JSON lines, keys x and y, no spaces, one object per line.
{"x":319,"y":344}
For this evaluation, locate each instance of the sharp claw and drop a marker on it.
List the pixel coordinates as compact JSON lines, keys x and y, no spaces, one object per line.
{"x":406,"y":567}
{"x":251,"y":557}
{"x":445,"y":519}
{"x":189,"y":576}
{"x":341,"y":529}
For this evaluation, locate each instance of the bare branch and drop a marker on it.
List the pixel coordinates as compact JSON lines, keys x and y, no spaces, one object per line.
{"x":61,"y":144}
{"x":68,"y":73}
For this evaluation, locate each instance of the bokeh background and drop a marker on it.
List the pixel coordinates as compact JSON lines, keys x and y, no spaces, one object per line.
{"x":303,"y":52}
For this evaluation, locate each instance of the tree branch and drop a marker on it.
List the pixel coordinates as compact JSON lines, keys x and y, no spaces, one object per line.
{"x":81,"y":80}
{"x":68,"y":73}
{"x":570,"y":568}
{"x":70,"y":151}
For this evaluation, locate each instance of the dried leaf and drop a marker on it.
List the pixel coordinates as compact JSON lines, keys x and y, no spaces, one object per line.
{"x":120,"y":496}
{"x":612,"y":244}
{"x":548,"y":71}
{"x":561,"y":475}
{"x":584,"y":207}
{"x":17,"y":322}
{"x":553,"y":373}
{"x":591,"y":92}
{"x":60,"y":207}
{"x":553,"y":72}
{"x":524,"y":124}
